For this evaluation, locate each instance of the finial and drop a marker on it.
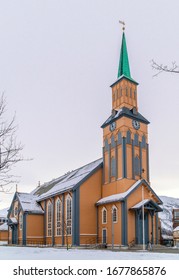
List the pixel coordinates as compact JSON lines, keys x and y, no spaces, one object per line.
{"x":123,"y":23}
{"x":16,"y":188}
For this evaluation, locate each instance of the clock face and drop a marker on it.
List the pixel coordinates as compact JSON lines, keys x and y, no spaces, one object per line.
{"x":136,"y":124}
{"x":112,"y":126}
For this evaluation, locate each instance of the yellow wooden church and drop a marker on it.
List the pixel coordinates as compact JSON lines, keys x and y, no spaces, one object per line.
{"x":108,"y":201}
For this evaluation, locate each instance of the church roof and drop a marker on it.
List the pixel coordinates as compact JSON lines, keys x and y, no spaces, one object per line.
{"x":124,"y":111}
{"x":124,"y":68}
{"x":122,"y":196}
{"x":67,"y":182}
{"x":4,"y":227}
{"x":28,"y":203}
{"x":146,"y":202}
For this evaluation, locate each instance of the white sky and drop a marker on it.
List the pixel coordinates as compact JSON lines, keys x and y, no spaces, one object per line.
{"x":57,"y":62}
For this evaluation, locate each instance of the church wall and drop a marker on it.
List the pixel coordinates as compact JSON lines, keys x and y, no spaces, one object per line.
{"x":34,"y":234}
{"x":108,"y":226}
{"x":4,"y":235}
{"x":90,"y":192}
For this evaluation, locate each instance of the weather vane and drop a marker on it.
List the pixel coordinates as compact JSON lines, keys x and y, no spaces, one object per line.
{"x":123,"y":23}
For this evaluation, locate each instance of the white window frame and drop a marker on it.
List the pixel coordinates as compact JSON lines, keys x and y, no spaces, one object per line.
{"x":58,"y":217}
{"x":20,"y":221}
{"x":104,"y":229}
{"x":49,"y":218}
{"x":104,"y":210}
{"x":68,"y":215}
{"x":114,"y":208}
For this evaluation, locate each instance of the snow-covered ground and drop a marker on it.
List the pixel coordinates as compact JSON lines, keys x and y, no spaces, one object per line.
{"x":28,"y":253}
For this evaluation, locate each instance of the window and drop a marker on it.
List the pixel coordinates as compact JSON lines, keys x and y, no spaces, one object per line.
{"x":104,"y":216}
{"x":128,"y":140}
{"x":58,"y":217}
{"x":49,"y":219}
{"x":15,"y":211}
{"x":130,"y":92}
{"x":126,"y":91}
{"x":104,"y":235}
{"x":136,"y":140}
{"x":143,"y":142}
{"x":68,"y":215}
{"x":20,"y":221}
{"x":106,"y":145}
{"x":176,"y":215}
{"x":112,"y":141}
{"x":114,"y":214}
{"x":113,"y":167}
{"x":137,"y":166}
{"x":120,"y":91}
{"x":119,"y":140}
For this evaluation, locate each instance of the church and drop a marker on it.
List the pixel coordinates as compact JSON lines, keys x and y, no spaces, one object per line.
{"x":108,"y":201}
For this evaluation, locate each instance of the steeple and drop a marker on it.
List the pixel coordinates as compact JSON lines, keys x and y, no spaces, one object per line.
{"x":124,"y":68}
{"x":124,"y":89}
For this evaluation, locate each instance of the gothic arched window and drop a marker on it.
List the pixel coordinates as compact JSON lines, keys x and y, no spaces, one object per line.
{"x":49,"y":218}
{"x":128,"y":140}
{"x":143,"y":141}
{"x":137,"y":166}
{"x":69,"y":215}
{"x":112,"y":141}
{"x":58,"y":217}
{"x":113,"y":167}
{"x":104,"y":215}
{"x":119,"y":140}
{"x":114,"y":214}
{"x":136,"y":139}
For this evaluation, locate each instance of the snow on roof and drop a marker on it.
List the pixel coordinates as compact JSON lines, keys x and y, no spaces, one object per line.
{"x":4,"y":227}
{"x":176,"y":229}
{"x":4,"y":212}
{"x":140,"y":204}
{"x":66,"y":182}
{"x":13,"y":220}
{"x":28,"y":203}
{"x":119,"y":196}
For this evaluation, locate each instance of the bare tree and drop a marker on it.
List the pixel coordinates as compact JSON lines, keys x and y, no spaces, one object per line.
{"x":159,"y":68}
{"x":10,"y":150}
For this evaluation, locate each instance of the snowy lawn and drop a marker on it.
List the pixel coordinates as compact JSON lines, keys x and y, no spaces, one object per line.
{"x":31,"y":253}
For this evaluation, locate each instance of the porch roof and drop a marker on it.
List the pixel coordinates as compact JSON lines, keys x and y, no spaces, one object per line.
{"x":150,"y":204}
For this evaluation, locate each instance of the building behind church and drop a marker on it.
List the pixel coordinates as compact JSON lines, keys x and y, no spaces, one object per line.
{"x":108,"y":201}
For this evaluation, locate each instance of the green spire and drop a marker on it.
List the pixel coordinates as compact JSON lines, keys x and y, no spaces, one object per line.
{"x":124,"y":68}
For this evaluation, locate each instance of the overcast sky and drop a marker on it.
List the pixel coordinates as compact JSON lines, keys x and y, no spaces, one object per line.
{"x":57,"y":61}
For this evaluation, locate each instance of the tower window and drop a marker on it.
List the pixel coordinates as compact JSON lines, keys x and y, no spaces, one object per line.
{"x":136,"y":140}
{"x":143,"y":141}
{"x":112,"y":141}
{"x":113,"y":167}
{"x":128,"y":137}
{"x":106,"y":145}
{"x":119,"y":140}
{"x":120,"y":91}
{"x":137,"y":166}
{"x":126,"y":91}
{"x":130,"y":92}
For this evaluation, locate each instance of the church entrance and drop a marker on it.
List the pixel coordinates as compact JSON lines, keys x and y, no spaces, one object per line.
{"x":14,"y":234}
{"x":140,"y":228}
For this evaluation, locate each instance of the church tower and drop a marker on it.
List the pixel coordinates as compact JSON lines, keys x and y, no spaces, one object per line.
{"x":125,"y":133}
